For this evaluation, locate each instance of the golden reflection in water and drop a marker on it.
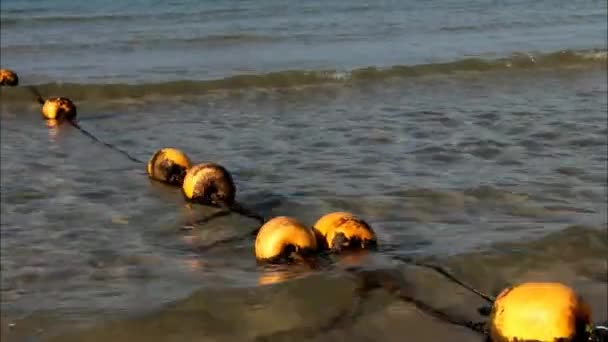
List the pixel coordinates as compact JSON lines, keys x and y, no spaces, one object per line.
{"x":281,"y":273}
{"x":272,"y":277}
{"x":193,"y":264}
{"x":53,"y":126}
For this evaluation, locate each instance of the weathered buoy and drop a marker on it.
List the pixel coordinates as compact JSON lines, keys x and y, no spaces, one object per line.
{"x":209,"y":184}
{"x":58,"y":108}
{"x":169,"y":165}
{"x":540,"y":312}
{"x":281,"y":236}
{"x":343,"y":230}
{"x":8,"y":78}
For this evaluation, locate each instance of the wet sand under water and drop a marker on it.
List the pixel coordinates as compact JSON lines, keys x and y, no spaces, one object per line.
{"x":330,"y":305}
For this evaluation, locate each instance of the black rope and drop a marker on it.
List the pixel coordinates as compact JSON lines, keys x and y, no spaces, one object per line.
{"x":90,"y":135}
{"x":225,"y":210}
{"x":448,"y":275}
{"x":36,"y":93}
{"x":240,"y":209}
{"x":235,"y":208}
{"x":392,"y":283}
{"x":369,"y":280}
{"x":478,"y":327}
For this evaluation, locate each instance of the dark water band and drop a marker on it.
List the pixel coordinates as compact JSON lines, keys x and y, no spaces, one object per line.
{"x":439,"y":269}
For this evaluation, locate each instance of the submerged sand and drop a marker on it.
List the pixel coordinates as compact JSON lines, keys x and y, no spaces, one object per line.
{"x":331,"y":305}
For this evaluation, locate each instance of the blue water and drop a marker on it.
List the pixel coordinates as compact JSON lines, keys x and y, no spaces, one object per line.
{"x":142,"y":41}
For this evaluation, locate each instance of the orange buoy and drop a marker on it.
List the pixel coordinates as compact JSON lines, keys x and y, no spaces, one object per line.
{"x":543,"y":312}
{"x":340,"y":230}
{"x":8,"y":78}
{"x":209,"y":184}
{"x":169,"y":165}
{"x":58,"y":108}
{"x":281,"y":236}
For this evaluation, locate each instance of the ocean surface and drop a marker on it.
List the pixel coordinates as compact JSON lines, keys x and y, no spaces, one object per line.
{"x":452,"y":127}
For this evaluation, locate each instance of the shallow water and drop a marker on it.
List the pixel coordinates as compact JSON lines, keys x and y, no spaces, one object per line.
{"x":357,"y":114}
{"x":499,"y":157}
{"x":354,"y":304}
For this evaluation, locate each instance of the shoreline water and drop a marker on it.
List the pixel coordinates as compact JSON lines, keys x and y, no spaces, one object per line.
{"x":293,"y":78}
{"x":461,"y":130}
{"x":304,"y":308}
{"x":294,"y":82}
{"x":438,"y":166}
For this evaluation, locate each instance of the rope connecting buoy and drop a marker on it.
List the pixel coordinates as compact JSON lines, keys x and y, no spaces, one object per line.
{"x":209,"y":184}
{"x":58,"y":108}
{"x":282,"y":237}
{"x":8,"y":78}
{"x":169,"y":165}
{"x":543,"y":312}
{"x":343,"y":230}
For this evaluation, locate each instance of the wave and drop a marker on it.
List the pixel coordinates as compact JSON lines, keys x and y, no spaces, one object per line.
{"x":61,"y":45}
{"x":301,"y":78}
{"x":18,"y":17}
{"x":28,"y":20}
{"x":528,"y":24}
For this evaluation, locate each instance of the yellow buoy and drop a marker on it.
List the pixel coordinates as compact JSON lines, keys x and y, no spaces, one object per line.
{"x":8,"y":78}
{"x":169,"y":165}
{"x":209,"y":184}
{"x":58,"y":108}
{"x":339,"y":230}
{"x":540,"y":312}
{"x":281,"y":236}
